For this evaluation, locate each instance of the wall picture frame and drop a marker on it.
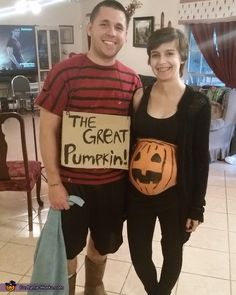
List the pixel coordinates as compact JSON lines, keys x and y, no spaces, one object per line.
{"x":142,"y":29}
{"x":67,"y":34}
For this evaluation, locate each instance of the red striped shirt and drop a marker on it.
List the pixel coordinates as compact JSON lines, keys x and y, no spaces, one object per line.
{"x":78,"y":84}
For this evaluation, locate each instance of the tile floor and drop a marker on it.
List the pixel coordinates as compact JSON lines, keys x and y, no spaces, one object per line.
{"x":209,"y":266}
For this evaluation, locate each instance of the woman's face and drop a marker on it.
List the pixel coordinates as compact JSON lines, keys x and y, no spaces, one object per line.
{"x":165,"y":61}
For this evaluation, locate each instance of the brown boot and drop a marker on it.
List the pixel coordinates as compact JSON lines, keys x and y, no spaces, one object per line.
{"x":93,"y":278}
{"x":72,"y":281}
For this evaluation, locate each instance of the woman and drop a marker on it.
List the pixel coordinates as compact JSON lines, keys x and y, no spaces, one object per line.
{"x":170,"y":162}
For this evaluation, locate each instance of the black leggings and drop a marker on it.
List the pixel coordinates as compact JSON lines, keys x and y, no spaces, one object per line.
{"x":141,"y":221}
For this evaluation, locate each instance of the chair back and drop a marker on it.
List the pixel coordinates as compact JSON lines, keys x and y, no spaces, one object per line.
{"x":20,"y":85}
{"x":4,"y":174}
{"x":18,"y":175}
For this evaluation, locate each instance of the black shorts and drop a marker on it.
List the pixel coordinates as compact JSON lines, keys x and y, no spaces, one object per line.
{"x":103,"y":214}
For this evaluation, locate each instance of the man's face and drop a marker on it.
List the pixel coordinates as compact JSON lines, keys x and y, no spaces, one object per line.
{"x":16,"y":33}
{"x":108,"y":33}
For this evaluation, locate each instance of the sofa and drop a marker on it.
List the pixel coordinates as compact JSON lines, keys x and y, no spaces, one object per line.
{"x":222,"y":125}
{"x":223,"y":120}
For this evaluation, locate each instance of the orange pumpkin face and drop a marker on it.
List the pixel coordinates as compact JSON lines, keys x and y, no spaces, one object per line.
{"x":153,"y":166}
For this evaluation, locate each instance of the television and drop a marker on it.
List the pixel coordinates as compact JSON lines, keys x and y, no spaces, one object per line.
{"x":17,"y":50}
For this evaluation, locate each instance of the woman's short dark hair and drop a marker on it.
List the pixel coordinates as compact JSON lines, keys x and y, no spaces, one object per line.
{"x":109,"y":3}
{"x":165,"y":35}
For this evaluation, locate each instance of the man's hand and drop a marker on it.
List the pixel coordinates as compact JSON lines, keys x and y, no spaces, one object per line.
{"x":191,"y":225}
{"x":57,"y":195}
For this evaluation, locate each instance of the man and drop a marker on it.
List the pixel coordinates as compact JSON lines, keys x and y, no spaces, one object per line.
{"x":96,"y":83}
{"x":14,"y":49}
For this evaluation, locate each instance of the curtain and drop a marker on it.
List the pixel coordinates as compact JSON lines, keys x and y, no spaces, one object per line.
{"x":221,"y":54}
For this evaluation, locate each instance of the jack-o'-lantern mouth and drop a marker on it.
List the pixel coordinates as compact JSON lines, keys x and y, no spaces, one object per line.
{"x":149,"y":177}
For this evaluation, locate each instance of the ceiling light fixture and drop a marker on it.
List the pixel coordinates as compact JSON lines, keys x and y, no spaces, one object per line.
{"x":35,"y":7}
{"x":23,"y":6}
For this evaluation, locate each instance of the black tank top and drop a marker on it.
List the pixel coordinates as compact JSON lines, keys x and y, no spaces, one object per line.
{"x":146,"y":126}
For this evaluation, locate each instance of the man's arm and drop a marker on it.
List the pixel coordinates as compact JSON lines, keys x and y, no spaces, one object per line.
{"x":49,"y":145}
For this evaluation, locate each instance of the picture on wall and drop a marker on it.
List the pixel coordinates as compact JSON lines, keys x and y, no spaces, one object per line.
{"x":142,"y":29}
{"x":67,"y":34}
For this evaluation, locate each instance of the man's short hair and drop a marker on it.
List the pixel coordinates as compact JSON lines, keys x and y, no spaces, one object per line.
{"x":109,"y":3}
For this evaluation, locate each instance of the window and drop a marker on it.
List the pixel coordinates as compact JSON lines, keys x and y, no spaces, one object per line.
{"x":198,"y":71}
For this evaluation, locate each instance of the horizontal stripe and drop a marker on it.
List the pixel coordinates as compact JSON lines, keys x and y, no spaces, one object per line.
{"x":92,"y":181}
{"x":101,"y":109}
{"x":99,"y":79}
{"x":86,"y":98}
{"x":91,"y":178}
{"x":105,"y":89}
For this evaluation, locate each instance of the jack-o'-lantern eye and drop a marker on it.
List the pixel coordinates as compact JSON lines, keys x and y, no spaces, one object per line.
{"x":156,"y":158}
{"x":137,"y":157}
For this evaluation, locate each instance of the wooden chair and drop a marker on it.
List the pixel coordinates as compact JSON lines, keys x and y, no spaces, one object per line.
{"x":19,"y":175}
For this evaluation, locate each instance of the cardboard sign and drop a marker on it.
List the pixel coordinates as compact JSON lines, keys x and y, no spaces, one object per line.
{"x":95,"y":140}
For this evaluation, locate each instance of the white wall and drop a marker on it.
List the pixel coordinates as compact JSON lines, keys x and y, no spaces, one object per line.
{"x":133,"y":56}
{"x":74,"y":13}
{"x":137,"y":57}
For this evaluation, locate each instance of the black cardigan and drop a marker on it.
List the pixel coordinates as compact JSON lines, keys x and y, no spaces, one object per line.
{"x":193,"y":153}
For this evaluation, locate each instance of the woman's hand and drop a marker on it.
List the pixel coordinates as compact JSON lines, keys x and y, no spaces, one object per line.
{"x":191,"y":225}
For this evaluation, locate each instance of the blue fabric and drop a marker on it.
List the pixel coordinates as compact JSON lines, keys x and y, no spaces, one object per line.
{"x":50,"y":261}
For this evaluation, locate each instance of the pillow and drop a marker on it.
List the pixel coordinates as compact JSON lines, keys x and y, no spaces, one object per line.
{"x":216,"y":110}
{"x":215,"y":94}
{"x":217,"y":124}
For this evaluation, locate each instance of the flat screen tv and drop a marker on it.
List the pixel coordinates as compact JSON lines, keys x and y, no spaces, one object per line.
{"x":17,"y":50}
